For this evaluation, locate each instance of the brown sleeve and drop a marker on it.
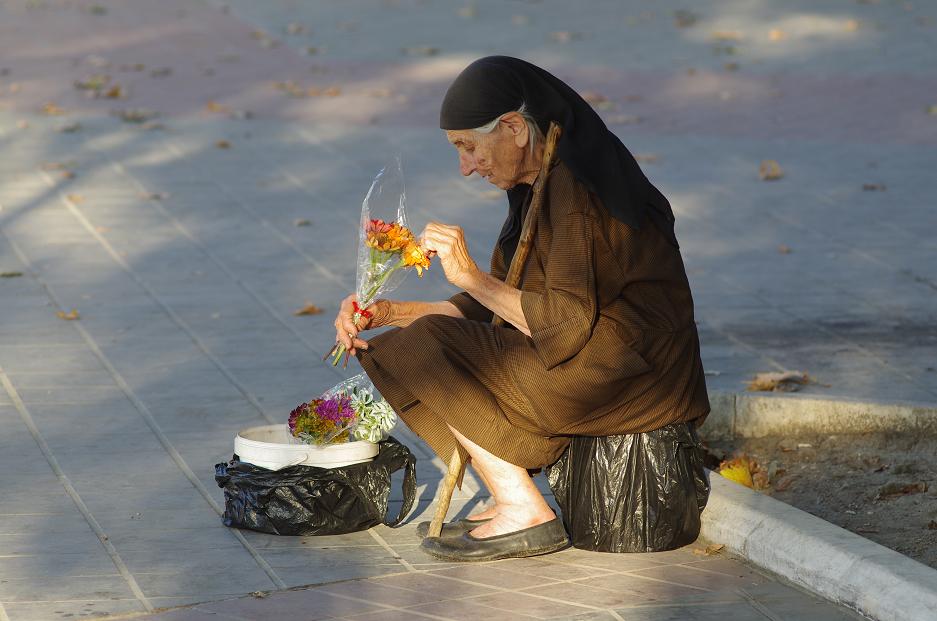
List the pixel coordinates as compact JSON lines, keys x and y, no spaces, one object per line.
{"x":560,"y":319}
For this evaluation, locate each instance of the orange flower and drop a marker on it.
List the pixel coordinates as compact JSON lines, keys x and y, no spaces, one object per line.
{"x":393,"y":239}
{"x":415,"y":256}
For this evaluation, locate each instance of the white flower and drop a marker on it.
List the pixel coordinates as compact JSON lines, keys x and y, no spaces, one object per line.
{"x":372,"y":424}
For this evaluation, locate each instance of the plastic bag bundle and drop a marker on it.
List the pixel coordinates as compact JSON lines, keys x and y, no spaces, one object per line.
{"x":307,"y":500}
{"x":641,"y":492}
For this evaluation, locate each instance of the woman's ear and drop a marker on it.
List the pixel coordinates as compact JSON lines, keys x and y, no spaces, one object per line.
{"x":517,"y":126}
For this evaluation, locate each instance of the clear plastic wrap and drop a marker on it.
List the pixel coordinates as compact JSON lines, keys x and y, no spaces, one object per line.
{"x":387,"y":247}
{"x":351,"y":410}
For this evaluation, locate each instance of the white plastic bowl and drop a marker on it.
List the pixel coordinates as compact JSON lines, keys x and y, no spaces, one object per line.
{"x":272,"y":447}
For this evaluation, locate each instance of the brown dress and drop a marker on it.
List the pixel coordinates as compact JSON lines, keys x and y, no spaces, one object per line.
{"x":613,"y":346}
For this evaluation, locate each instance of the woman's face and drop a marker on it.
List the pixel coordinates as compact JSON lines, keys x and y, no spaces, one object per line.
{"x":499,"y":156}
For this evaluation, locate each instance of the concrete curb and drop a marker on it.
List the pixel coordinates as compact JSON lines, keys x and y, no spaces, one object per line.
{"x":825,"y":559}
{"x":755,"y":415}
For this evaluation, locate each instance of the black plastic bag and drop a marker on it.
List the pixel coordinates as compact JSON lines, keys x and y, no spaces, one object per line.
{"x":641,"y":492}
{"x":307,"y":500}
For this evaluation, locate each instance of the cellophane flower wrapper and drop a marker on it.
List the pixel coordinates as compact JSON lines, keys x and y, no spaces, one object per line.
{"x":386,"y":201}
{"x":387,"y":248}
{"x":372,"y":420}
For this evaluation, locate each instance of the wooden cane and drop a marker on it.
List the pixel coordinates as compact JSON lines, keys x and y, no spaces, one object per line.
{"x":516,"y":270}
{"x":512,"y":279}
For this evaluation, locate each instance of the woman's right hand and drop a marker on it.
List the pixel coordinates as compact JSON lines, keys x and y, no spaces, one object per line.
{"x":346,"y":332}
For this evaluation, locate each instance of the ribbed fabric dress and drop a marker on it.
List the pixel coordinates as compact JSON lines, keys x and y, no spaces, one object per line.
{"x":613,"y":346}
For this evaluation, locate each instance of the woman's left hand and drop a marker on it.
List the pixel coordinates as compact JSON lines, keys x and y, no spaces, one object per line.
{"x":448,"y":242}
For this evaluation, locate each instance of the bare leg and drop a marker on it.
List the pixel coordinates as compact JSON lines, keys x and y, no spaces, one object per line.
{"x":490,"y":512}
{"x":518,"y":501}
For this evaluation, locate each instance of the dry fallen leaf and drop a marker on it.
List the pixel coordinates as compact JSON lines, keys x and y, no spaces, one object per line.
{"x":737,"y":470}
{"x":223,"y":144}
{"x":69,"y":128}
{"x":777,"y":34}
{"x":726,"y":35}
{"x":714,"y":548}
{"x":135,"y":115}
{"x":646,"y":158}
{"x":50,"y":109}
{"x":564,"y":36}
{"x":852,"y":25}
{"x":302,"y":222}
{"x":214,"y":106}
{"x":710,"y":550}
{"x":779,"y":381}
{"x":784,"y":249}
{"x":93,"y":83}
{"x":684,"y":19}
{"x":76,"y":198}
{"x":332,"y":91}
{"x":116,"y":91}
{"x":784,"y":484}
{"x":932,"y":525}
{"x":770,"y":170}
{"x":420,"y":50}
{"x":893,"y":490}
{"x":308,"y":309}
{"x":69,"y":316}
{"x":761,"y":480}
{"x":10,"y":274}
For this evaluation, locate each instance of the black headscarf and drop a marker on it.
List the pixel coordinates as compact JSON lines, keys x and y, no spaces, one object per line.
{"x":493,"y":85}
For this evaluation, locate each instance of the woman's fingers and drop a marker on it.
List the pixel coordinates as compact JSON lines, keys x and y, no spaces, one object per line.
{"x":345,"y":329}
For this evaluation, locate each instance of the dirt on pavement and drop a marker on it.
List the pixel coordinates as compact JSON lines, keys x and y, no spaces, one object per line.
{"x":882,"y":487}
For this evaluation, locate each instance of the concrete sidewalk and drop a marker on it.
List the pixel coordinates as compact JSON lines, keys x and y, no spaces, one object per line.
{"x":177,"y":243}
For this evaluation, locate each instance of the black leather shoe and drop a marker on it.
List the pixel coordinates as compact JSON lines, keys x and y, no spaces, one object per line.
{"x":451,"y":529}
{"x":541,"y":539}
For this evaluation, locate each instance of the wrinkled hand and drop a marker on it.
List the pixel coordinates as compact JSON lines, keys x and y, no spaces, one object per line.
{"x":448,"y":242}
{"x":346,"y":332}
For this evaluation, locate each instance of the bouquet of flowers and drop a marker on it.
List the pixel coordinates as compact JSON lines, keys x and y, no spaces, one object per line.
{"x":386,"y":248}
{"x":349,"y":411}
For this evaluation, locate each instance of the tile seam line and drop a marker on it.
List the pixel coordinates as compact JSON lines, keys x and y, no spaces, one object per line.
{"x":758,"y":606}
{"x":324,"y":271}
{"x":149,"y":420}
{"x":63,"y":479}
{"x":198,"y":243}
{"x":123,"y":264}
{"x":520,"y":591}
{"x":234,"y":277}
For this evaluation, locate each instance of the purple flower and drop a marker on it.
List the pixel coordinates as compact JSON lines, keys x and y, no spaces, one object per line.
{"x":336,"y":409}
{"x":301,"y":409}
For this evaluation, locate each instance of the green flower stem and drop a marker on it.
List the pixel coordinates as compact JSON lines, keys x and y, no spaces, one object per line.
{"x":367,"y":300}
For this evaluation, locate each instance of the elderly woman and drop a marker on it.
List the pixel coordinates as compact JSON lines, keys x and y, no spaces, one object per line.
{"x":598,"y":340}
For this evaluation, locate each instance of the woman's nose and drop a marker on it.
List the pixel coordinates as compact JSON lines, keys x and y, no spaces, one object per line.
{"x":466,"y":164}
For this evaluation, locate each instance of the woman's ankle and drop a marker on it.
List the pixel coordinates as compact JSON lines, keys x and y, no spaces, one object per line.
{"x":487,"y":514}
